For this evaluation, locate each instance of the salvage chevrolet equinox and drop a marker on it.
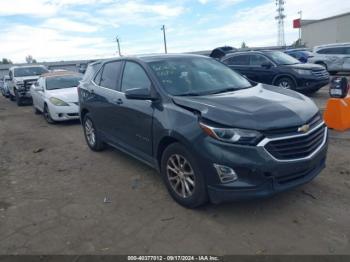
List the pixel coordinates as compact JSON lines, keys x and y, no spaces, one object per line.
{"x":210,"y":133}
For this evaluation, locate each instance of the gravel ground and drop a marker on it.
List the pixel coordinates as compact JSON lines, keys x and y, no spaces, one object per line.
{"x":52,"y":192}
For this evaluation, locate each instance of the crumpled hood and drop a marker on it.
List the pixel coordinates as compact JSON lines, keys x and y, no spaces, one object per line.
{"x":69,"y":95}
{"x":262,"y":107}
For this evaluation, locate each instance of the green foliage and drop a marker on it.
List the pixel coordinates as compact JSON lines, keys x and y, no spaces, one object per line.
{"x":5,"y":61}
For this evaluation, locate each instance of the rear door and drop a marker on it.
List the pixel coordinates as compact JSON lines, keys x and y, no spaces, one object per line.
{"x":105,"y":102}
{"x":239,"y":63}
{"x":346,"y":59}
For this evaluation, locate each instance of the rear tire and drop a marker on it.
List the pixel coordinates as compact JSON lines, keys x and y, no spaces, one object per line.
{"x":285,"y":82}
{"x":36,"y":111}
{"x":92,"y":137}
{"x":182,"y":177}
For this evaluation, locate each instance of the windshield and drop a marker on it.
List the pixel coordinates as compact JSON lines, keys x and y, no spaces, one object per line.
{"x":282,"y":58}
{"x":196,"y":76}
{"x":29,"y":71}
{"x":60,"y":82}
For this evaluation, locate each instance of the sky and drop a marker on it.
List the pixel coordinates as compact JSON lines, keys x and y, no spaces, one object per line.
{"x":52,"y":30}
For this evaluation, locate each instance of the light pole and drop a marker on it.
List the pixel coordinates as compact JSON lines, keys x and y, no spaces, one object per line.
{"x":165,"y":48}
{"x":300,"y":13}
{"x":117,"y":40}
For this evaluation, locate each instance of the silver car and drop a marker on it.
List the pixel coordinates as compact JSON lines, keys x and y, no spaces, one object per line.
{"x":4,"y":86}
{"x":334,"y":57}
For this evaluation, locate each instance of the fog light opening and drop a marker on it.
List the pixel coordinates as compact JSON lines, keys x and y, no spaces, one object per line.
{"x":225,"y":173}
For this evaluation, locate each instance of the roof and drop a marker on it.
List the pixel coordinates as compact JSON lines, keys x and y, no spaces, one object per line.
{"x":308,"y":22}
{"x":331,"y":45}
{"x":154,"y":57}
{"x":60,"y":73}
{"x":26,"y":66}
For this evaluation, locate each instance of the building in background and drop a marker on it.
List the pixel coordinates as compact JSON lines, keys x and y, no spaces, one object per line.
{"x":335,"y":29}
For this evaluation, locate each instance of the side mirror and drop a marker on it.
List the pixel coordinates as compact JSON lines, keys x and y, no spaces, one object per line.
{"x":37,"y":88}
{"x":139,"y":94}
{"x":266,"y":65}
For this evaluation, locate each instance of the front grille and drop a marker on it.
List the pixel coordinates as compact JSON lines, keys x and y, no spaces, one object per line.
{"x":28,"y":84}
{"x":322,"y":74}
{"x":313,"y":122}
{"x":296,"y":147}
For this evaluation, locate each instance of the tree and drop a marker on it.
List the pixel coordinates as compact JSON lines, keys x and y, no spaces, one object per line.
{"x":5,"y":61}
{"x":30,"y":59}
{"x":243,"y":45}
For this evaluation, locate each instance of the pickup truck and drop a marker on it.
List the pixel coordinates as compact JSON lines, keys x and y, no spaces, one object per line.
{"x":21,"y":79}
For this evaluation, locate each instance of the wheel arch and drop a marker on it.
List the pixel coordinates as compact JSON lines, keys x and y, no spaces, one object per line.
{"x":166,"y":141}
{"x":83,"y":113}
{"x":284,"y":75}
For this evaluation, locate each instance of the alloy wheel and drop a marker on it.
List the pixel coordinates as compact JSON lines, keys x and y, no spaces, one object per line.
{"x":180,"y":175}
{"x":90,"y":132}
{"x":284,"y":84}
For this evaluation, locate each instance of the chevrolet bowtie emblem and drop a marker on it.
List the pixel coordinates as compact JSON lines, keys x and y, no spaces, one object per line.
{"x":304,"y":128}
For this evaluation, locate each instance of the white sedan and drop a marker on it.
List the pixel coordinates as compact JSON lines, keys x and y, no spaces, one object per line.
{"x":56,"y":96}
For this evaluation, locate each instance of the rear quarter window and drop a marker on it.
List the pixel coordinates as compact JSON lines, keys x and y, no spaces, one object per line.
{"x":90,"y":71}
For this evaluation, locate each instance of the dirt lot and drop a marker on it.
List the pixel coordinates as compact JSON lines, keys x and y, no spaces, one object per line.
{"x":52,"y":190}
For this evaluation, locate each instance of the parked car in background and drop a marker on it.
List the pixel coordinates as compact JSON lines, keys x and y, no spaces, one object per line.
{"x":334,"y":57}
{"x":21,"y":79}
{"x":4,"y":87}
{"x":55,"y":95}
{"x":278,"y":68}
{"x":302,"y":54}
{"x":219,"y":52}
{"x":209,"y":131}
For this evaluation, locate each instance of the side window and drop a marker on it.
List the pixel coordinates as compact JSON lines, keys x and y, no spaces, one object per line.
{"x":258,"y":60}
{"x":333,"y":51}
{"x":134,"y":77}
{"x":110,"y":75}
{"x":237,"y":60}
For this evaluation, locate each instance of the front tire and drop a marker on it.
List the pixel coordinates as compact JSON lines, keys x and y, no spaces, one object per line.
{"x":182,"y":177}
{"x":285,"y":82}
{"x":19,"y":100}
{"x":92,"y":137}
{"x":47,"y":115}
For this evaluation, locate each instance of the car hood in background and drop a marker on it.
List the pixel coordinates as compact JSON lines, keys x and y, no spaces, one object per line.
{"x":24,"y":78}
{"x":262,"y":107}
{"x":69,"y":95}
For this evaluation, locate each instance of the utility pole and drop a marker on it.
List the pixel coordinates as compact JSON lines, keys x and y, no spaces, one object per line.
{"x":280,"y":22}
{"x":301,"y":14}
{"x":165,"y":48}
{"x":117,"y":40}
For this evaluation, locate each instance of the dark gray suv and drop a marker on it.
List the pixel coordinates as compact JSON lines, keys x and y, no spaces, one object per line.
{"x":211,"y":133}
